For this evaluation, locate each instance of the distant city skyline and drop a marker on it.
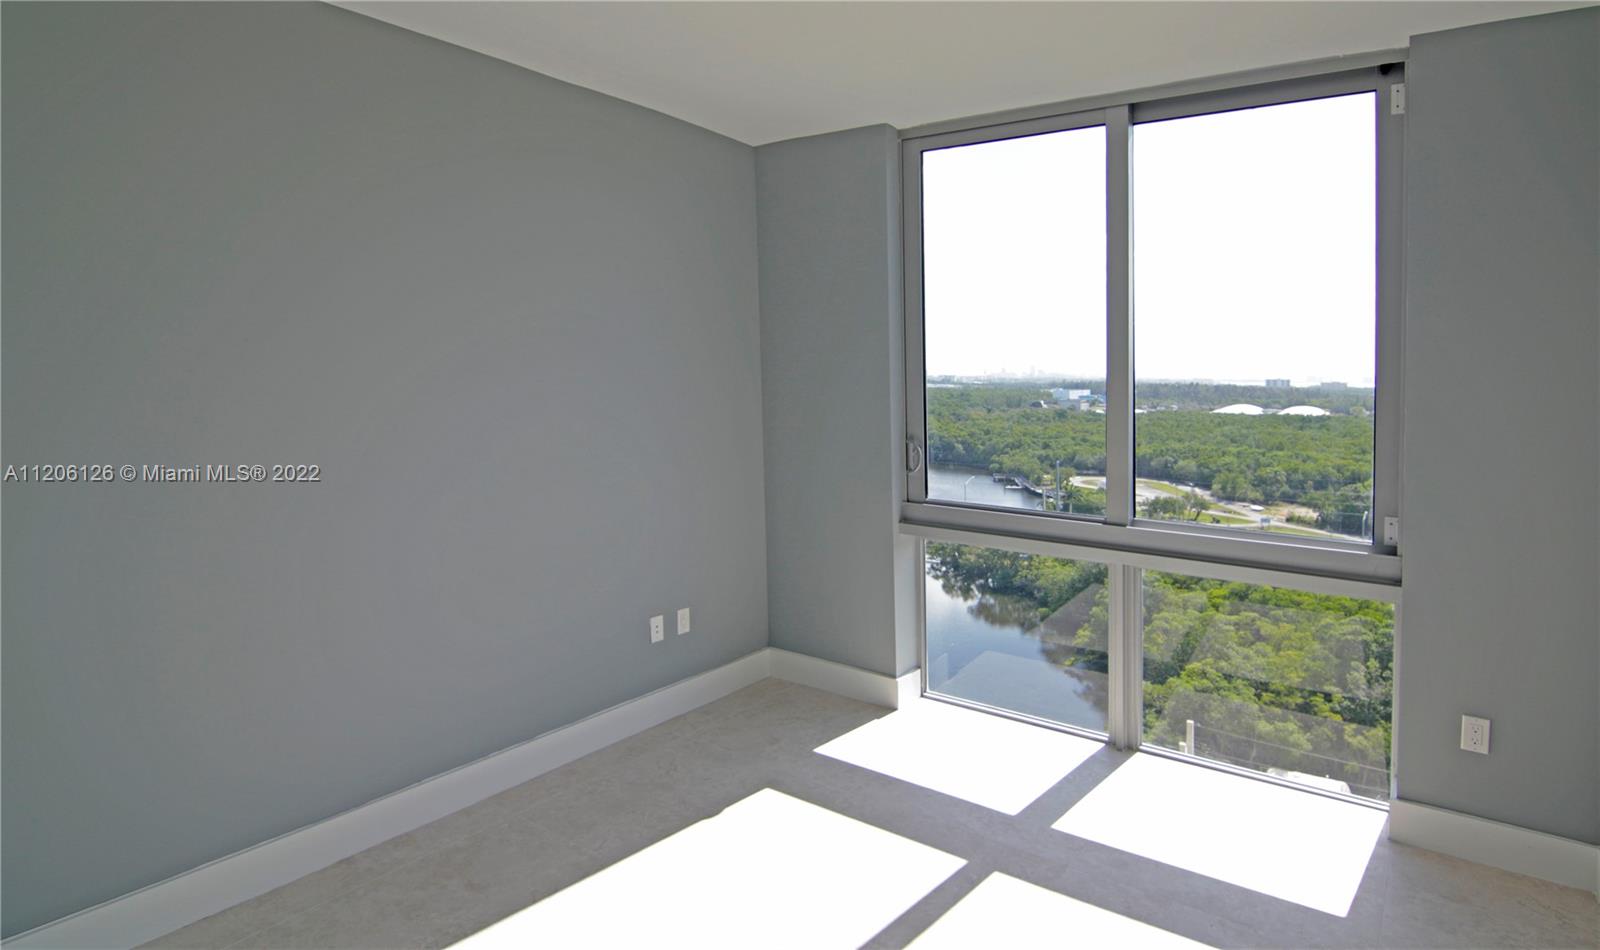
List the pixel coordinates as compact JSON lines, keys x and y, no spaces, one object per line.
{"x":1040,"y":376}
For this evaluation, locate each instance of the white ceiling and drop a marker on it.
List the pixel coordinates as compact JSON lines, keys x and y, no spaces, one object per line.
{"x":765,"y":71}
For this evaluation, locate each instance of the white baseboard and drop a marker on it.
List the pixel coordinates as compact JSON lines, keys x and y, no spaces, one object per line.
{"x":851,"y":681}
{"x":1512,"y":848}
{"x":178,"y":901}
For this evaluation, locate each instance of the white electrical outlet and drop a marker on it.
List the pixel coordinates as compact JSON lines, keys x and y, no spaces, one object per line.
{"x":1475,"y":734}
{"x":683,"y":621}
{"x":658,"y":628}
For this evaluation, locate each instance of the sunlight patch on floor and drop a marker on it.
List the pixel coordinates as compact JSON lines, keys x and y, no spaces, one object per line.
{"x":769,"y":871}
{"x":987,"y":760}
{"x":1288,"y":844}
{"x":1003,"y":911}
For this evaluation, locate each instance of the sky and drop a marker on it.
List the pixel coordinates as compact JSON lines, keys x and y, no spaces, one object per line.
{"x":1254,"y":249}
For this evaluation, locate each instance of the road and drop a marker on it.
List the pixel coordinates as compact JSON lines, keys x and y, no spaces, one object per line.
{"x":1276,"y":515}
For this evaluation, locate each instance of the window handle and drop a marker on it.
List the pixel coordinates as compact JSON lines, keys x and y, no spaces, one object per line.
{"x":913,"y":455}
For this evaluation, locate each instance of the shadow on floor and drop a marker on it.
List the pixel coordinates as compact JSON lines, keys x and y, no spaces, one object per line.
{"x":785,"y":816}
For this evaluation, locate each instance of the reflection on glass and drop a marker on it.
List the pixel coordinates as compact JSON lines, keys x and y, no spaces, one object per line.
{"x":1255,"y":317}
{"x":1294,"y":684}
{"x":1014,"y":321}
{"x":1019,"y":632}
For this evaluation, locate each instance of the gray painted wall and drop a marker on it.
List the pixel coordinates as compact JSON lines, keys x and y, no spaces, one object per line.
{"x":830,"y":343}
{"x":514,"y":321}
{"x":1502,"y":456}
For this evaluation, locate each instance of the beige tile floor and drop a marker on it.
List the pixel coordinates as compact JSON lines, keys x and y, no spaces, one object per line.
{"x":661,"y":835}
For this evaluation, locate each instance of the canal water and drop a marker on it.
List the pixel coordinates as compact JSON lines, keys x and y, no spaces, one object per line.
{"x":989,"y":649}
{"x":976,"y":486}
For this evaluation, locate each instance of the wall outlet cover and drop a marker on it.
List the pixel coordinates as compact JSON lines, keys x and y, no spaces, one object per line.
{"x":1475,"y":734}
{"x":683,"y":621}
{"x":658,"y":628}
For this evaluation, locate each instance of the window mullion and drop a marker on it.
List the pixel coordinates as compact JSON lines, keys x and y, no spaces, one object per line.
{"x":1124,"y":715}
{"x":1119,"y":318}
{"x":1125,"y":700}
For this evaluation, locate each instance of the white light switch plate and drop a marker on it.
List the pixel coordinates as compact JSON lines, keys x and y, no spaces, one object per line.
{"x":1475,"y":734}
{"x":658,"y":628}
{"x":683,"y":621}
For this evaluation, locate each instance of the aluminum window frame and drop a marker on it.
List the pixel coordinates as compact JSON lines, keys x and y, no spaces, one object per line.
{"x":1120,"y":530}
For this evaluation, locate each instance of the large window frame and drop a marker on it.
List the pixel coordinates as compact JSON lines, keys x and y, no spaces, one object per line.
{"x":1127,"y":544}
{"x":1376,"y":562}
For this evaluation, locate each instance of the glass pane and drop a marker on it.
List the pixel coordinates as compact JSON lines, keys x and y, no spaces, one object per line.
{"x":1281,"y":681}
{"x":1014,"y":305}
{"x":1019,"y":632}
{"x":1255,"y":317}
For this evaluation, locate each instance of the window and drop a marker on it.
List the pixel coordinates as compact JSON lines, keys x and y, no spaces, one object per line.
{"x":1295,"y":684}
{"x":1254,"y":320}
{"x":1014,"y":236}
{"x":1291,"y":679}
{"x":1152,"y":403}
{"x":1167,"y":326}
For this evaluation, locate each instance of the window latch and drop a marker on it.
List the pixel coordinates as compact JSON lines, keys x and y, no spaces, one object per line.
{"x":1397,"y":99}
{"x":913,"y":455}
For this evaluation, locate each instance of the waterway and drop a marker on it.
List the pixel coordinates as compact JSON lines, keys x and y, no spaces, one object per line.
{"x":976,"y":486}
{"x":987,"y":648}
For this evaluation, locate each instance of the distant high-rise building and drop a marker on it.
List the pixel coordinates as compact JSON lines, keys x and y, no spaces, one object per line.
{"x":1277,"y":384}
